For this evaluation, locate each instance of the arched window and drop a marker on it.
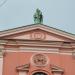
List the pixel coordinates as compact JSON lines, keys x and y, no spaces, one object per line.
{"x":39,"y":73}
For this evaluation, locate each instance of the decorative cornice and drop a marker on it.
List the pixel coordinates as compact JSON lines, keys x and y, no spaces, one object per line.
{"x":38,"y":43}
{"x":23,"y":67}
{"x":35,"y":45}
{"x":56,"y":69}
{"x":37,"y":26}
{"x":53,"y":68}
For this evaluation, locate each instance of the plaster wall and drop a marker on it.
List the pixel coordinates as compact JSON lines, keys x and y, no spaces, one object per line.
{"x":14,"y":59}
{"x":1,"y":65}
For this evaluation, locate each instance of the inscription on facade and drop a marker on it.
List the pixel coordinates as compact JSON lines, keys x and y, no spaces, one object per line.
{"x":38,"y":36}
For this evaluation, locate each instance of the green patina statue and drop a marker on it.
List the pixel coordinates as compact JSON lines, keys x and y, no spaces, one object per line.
{"x":38,"y":17}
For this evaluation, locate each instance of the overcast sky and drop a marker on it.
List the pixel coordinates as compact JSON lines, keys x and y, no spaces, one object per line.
{"x":59,"y":14}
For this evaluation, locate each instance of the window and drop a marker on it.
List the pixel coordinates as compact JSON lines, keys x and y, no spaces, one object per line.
{"x":39,"y":73}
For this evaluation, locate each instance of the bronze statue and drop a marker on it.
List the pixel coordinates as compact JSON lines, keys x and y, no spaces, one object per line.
{"x":38,"y":17}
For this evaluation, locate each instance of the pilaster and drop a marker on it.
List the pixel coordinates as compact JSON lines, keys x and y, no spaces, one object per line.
{"x":1,"y":59}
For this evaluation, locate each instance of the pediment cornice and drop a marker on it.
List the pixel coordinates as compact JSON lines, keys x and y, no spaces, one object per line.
{"x":23,"y":67}
{"x":56,"y":69}
{"x":37,"y":26}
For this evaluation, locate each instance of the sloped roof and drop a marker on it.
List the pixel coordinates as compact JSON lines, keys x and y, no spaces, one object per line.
{"x":37,"y":26}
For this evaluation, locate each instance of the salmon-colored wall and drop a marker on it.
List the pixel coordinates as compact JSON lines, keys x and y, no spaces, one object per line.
{"x":11,"y":60}
{"x":14,"y":59}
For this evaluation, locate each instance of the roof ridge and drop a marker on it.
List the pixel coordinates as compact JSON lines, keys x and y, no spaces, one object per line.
{"x":39,"y":24}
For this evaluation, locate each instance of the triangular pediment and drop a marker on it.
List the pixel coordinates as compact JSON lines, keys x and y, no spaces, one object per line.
{"x":36,"y":32}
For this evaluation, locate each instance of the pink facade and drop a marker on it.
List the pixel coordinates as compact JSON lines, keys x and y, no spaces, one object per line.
{"x":37,"y":50}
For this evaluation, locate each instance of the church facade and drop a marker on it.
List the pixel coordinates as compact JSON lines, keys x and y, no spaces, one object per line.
{"x":37,"y":49}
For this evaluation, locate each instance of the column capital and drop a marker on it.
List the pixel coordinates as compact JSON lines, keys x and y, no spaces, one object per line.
{"x":1,"y":51}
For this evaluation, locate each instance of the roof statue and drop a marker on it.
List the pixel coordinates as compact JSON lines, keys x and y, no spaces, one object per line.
{"x":38,"y":17}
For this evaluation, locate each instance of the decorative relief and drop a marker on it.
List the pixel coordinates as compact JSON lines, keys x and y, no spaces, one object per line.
{"x":38,"y":35}
{"x":40,"y":60}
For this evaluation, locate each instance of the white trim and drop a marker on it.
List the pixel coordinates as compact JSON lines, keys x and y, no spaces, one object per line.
{"x":1,"y":66}
{"x":39,"y":50}
{"x":62,"y":53}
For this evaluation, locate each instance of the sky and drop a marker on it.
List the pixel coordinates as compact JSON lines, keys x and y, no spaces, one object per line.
{"x":59,"y":14}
